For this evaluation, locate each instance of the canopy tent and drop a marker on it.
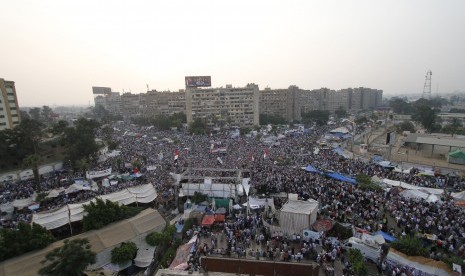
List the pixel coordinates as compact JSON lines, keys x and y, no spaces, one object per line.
{"x":341,"y":177}
{"x":417,"y":264}
{"x":213,"y":189}
{"x":75,"y":212}
{"x":221,"y":203}
{"x":179,"y":262}
{"x":144,"y":255}
{"x":396,"y":183}
{"x":312,"y":169}
{"x":387,"y":237}
{"x":297,"y":215}
{"x":342,"y":130}
{"x":386,"y":164}
{"x":219,"y":218}
{"x":208,"y":220}
{"x":221,"y":210}
{"x":456,"y":157}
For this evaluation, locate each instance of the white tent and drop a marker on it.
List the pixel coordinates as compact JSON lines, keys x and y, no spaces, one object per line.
{"x":75,"y":212}
{"x":297,"y":215}
{"x":343,"y":130}
{"x":396,"y":183}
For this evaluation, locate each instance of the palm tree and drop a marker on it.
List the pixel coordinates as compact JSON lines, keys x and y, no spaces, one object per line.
{"x":33,"y":161}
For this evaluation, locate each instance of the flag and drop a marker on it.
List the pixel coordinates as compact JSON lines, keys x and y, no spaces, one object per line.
{"x":219,"y":160}
{"x":160,"y":156}
{"x":266,"y":153}
{"x":251,"y":157}
{"x":176,"y":154}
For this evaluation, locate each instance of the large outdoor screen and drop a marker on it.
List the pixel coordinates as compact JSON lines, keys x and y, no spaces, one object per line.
{"x":199,"y":81}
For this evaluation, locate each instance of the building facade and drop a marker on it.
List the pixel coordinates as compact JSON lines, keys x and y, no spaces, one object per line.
{"x":280,"y":102}
{"x":231,"y":105}
{"x":9,"y":108}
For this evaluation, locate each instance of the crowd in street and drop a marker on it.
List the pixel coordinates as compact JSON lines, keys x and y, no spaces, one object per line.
{"x":274,"y":167}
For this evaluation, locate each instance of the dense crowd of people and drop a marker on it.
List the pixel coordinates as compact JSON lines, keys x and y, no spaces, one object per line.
{"x":274,"y":167}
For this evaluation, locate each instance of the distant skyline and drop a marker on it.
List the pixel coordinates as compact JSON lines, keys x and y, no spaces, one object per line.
{"x":55,"y":51}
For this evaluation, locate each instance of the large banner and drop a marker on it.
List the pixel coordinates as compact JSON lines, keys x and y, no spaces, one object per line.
{"x":198,"y":81}
{"x":95,"y":174}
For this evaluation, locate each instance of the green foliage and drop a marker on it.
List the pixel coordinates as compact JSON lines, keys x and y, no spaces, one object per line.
{"x":406,"y":126}
{"x":70,"y":259}
{"x":400,"y":106}
{"x":188,"y":224}
{"x":33,"y":161}
{"x":59,"y":127}
{"x":456,"y":110}
{"x":320,"y":117}
{"x":411,"y":246}
{"x":198,"y":198}
{"x":358,"y":262}
{"x":26,"y":238}
{"x":453,"y":259}
{"x":102,"y":213}
{"x":197,"y":127}
{"x":162,"y":122}
{"x":340,"y":232}
{"x":124,"y":253}
{"x":340,"y":112}
{"x":80,"y":140}
{"x":266,"y":119}
{"x":161,"y":238}
{"x":364,"y":182}
{"x":426,"y":116}
{"x":170,"y":254}
{"x":454,"y":127}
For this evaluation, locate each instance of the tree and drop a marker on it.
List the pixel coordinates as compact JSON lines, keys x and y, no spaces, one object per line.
{"x":364,"y":182}
{"x":15,"y":242}
{"x":266,"y":119}
{"x":82,"y":164}
{"x":70,"y":259}
{"x":46,"y":114}
{"x":411,"y":246}
{"x":80,"y":140}
{"x":357,"y":261}
{"x":454,"y":127}
{"x":35,"y":113}
{"x":59,"y":127}
{"x":400,"y":106}
{"x":406,"y":126}
{"x":320,"y":117}
{"x":426,"y":116}
{"x":33,"y":161}
{"x":124,"y":253}
{"x":340,"y":112}
{"x":163,"y":238}
{"x":197,"y":126}
{"x":102,"y":213}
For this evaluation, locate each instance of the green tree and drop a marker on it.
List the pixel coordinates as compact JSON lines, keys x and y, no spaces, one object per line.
{"x":454,"y":127}
{"x":80,"y":140}
{"x":163,"y":238}
{"x":364,"y":182}
{"x":35,"y":113}
{"x":426,"y":116}
{"x":124,"y":253}
{"x":46,"y":114}
{"x":59,"y":127}
{"x":340,"y":112}
{"x":102,"y":213}
{"x":406,"y":126}
{"x":23,"y":239}
{"x":82,"y":165}
{"x":411,"y":246}
{"x":358,"y":262}
{"x":320,"y":117}
{"x":197,"y":126}
{"x":400,"y":106}
{"x":266,"y":119}
{"x":33,"y":161}
{"x":70,"y":259}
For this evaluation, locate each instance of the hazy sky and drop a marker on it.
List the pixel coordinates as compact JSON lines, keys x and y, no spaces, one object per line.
{"x":56,"y":51}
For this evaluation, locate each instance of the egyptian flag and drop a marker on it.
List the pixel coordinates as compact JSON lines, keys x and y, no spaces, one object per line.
{"x":267,"y":152}
{"x":251,"y":157}
{"x":176,"y":156}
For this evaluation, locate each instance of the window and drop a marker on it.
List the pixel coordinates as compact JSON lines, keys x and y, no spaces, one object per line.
{"x":13,"y":108}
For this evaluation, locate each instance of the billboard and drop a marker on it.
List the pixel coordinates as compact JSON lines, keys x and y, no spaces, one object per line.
{"x":199,"y":81}
{"x":101,"y":90}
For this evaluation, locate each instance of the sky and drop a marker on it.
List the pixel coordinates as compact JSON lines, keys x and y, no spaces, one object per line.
{"x":55,"y":51}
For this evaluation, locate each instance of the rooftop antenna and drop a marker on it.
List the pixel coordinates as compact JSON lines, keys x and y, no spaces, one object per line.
{"x":427,"y":87}
{"x":147,"y":87}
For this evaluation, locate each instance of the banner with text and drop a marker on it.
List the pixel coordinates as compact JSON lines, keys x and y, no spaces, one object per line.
{"x":95,"y":174}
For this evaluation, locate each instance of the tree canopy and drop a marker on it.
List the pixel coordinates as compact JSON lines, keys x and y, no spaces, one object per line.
{"x":80,"y":140}
{"x":197,"y":126}
{"x":124,"y":253}
{"x":102,"y":213}
{"x":266,"y":119}
{"x":162,"y":122}
{"x":70,"y":259}
{"x":320,"y":117}
{"x":15,"y":242}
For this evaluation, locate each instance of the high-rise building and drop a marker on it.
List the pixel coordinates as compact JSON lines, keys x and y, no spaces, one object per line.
{"x":235,"y":106}
{"x":280,"y":102}
{"x":9,"y":108}
{"x":163,"y":103}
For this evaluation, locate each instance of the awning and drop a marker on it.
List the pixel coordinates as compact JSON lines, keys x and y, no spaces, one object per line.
{"x":218,"y":218}
{"x":208,"y":220}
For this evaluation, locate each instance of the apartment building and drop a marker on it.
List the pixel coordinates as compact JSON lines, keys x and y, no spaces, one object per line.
{"x":235,"y":106}
{"x":281,"y":102}
{"x":163,"y":103}
{"x":9,"y":108}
